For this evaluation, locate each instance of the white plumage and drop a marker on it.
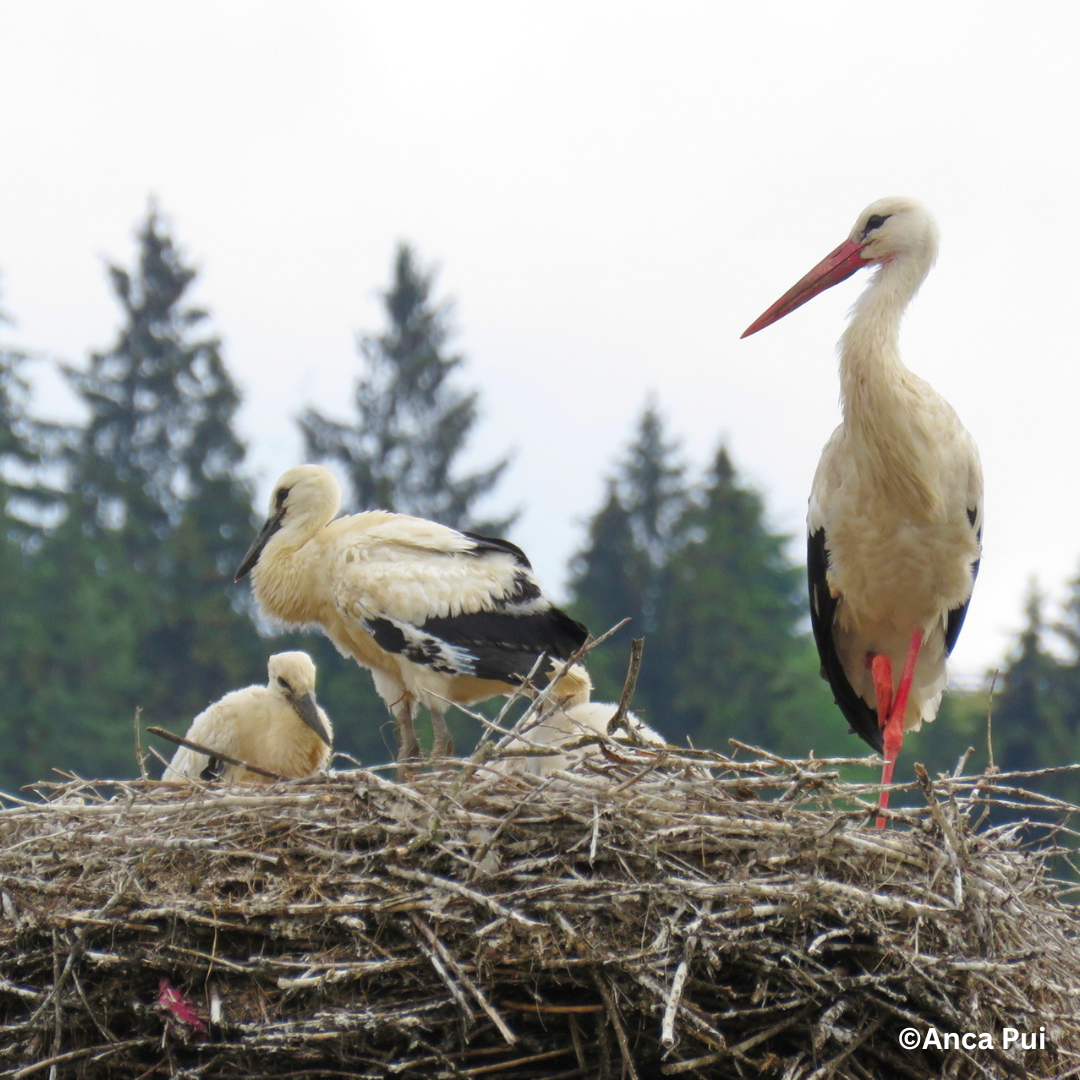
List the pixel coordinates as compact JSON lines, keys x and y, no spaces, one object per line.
{"x":573,"y":717}
{"x":279,"y":727}
{"x":437,"y":615}
{"x":895,"y":516}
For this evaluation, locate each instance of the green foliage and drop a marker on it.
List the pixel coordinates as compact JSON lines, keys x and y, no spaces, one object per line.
{"x":26,"y":501}
{"x":157,"y":466}
{"x":607,"y":587}
{"x":744,"y":669}
{"x":160,"y":404}
{"x":27,"y":675}
{"x":622,"y":572}
{"x":713,"y":592}
{"x":129,"y":601}
{"x":411,"y":423}
{"x":69,"y":656}
{"x":1037,"y":715}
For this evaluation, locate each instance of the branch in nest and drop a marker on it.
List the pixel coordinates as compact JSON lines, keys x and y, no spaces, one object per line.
{"x":637,"y":646}
{"x":200,"y":749}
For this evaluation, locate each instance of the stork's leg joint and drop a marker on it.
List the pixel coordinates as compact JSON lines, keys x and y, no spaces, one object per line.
{"x":893,"y":733}
{"x":408,"y":747}
{"x":881,"y":669}
{"x":442,"y":743}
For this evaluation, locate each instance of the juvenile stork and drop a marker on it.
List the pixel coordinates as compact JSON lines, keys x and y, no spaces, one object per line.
{"x":437,"y":615}
{"x":279,"y":727}
{"x":573,"y":717}
{"x":895,"y":518}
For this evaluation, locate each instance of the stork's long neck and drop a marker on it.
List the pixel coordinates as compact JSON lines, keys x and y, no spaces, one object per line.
{"x":871,"y":371}
{"x":879,"y":394}
{"x":283,"y":578}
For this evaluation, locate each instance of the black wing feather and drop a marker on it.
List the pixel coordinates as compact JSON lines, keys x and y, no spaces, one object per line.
{"x":500,"y":644}
{"x":862,"y":718}
{"x":493,"y":543}
{"x":957,"y":615}
{"x":214,"y":769}
{"x":504,"y":645}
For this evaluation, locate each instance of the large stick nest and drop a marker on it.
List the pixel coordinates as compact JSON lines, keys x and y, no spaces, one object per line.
{"x":640,"y":917}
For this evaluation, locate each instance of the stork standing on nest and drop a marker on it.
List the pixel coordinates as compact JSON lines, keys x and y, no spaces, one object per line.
{"x":437,"y":615}
{"x":278,"y":727}
{"x":895,"y":519}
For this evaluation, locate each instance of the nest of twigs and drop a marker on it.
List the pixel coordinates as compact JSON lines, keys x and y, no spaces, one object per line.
{"x":651,"y":914}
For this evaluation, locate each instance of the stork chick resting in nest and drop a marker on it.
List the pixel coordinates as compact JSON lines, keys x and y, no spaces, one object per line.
{"x":571,"y":717}
{"x":278,"y":727}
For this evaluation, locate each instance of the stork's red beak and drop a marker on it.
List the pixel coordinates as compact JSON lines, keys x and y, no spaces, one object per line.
{"x":834,"y":268}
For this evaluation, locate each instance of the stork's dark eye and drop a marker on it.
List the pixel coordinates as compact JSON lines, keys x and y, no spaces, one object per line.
{"x":280,"y":496}
{"x":875,"y":223}
{"x":283,"y":683}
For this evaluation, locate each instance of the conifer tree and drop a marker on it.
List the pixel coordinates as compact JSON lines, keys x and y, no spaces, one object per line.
{"x":26,"y":446}
{"x":1036,"y":717}
{"x":24,"y":505}
{"x":69,"y":653}
{"x":161,"y":405}
{"x":622,"y":572}
{"x":159,"y":509}
{"x":412,"y":422}
{"x":655,"y":495}
{"x":607,"y":579}
{"x":741,"y":666}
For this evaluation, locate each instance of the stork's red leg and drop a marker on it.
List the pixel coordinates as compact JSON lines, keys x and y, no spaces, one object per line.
{"x":881,"y":669}
{"x":894,"y":729}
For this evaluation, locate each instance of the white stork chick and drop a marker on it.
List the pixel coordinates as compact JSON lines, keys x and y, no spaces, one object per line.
{"x":437,"y":615}
{"x":278,"y":727}
{"x":574,"y":717}
{"x":895,"y":519}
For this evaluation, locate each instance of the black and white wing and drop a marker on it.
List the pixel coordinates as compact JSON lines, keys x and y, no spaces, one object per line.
{"x":858,"y":713}
{"x":955,"y":620}
{"x":455,"y":602}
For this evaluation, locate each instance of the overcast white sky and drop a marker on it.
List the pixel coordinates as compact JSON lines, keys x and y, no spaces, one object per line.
{"x":613,"y":191}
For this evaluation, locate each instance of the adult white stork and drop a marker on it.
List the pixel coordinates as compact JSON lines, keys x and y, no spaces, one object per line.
{"x":895,"y":518}
{"x":437,"y":615}
{"x":279,"y":727}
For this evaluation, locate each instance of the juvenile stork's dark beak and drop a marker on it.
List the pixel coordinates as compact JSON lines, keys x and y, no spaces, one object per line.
{"x":308,"y":711}
{"x":252,"y":557}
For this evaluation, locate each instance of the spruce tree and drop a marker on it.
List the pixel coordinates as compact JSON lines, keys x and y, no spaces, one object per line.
{"x":741,"y":664}
{"x":158,"y":496}
{"x":622,"y":572}
{"x":25,"y":505}
{"x":412,"y":422}
{"x":1036,"y":715}
{"x":607,"y":586}
{"x":161,"y":404}
{"x":27,"y":446}
{"x":70,"y":659}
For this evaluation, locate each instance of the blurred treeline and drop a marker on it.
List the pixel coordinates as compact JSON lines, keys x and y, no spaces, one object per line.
{"x":121,"y":535}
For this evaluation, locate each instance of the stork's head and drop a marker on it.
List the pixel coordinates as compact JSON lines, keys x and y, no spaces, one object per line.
{"x":305,"y":500}
{"x":292,"y":677}
{"x":890,"y":231}
{"x":574,"y":687}
{"x":896,"y":228}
